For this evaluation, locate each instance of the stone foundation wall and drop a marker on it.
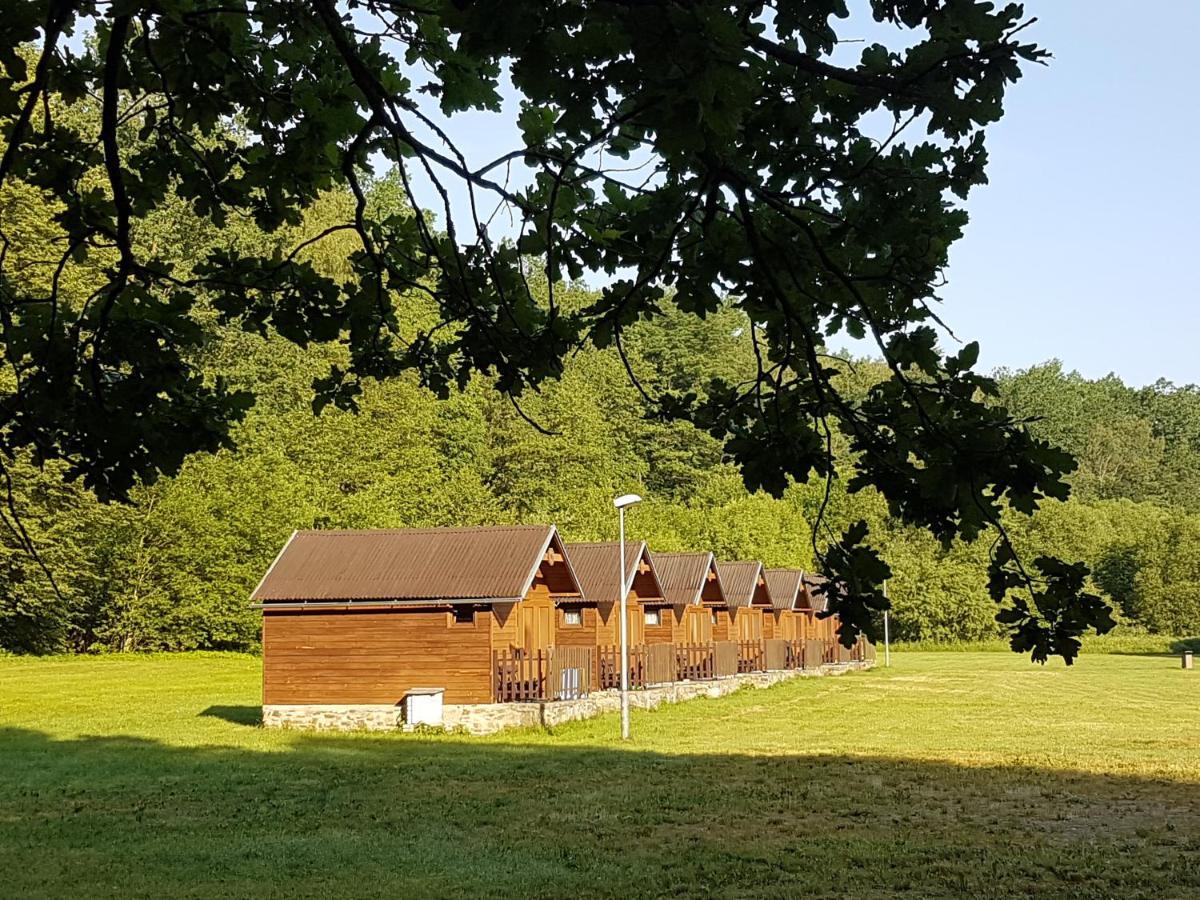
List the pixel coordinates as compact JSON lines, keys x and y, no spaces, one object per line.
{"x":333,"y":717}
{"x":487,"y":718}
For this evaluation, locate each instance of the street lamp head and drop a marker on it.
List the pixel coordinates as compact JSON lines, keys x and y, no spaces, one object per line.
{"x":626,"y":500}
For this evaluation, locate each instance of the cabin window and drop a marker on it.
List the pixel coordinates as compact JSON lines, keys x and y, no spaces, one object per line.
{"x":572,"y":616}
{"x":654,"y":617}
{"x":464,"y":615}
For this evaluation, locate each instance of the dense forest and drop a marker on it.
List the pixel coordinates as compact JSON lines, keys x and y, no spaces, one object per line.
{"x":173,"y":569}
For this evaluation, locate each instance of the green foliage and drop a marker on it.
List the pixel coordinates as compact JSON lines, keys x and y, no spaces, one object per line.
{"x":714,"y":159}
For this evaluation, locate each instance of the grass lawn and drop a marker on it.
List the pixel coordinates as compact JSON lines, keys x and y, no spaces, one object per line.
{"x":949,"y":774}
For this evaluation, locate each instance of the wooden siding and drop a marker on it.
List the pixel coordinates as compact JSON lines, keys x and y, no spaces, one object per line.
{"x":584,"y":635}
{"x":722,"y":629}
{"x":671,"y":618}
{"x":696,"y":626}
{"x":748,"y":623}
{"x":377,"y":656}
{"x":768,"y":624}
{"x":359,"y":656}
{"x":609,"y":629}
{"x":791,"y":625}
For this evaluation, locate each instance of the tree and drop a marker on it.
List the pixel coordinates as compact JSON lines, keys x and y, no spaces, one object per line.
{"x":708,"y":152}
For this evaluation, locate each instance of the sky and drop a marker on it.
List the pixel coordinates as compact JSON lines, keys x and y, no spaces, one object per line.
{"x":1082,"y":246}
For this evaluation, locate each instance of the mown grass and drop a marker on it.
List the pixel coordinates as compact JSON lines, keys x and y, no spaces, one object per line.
{"x":1122,"y":640}
{"x":949,"y":774}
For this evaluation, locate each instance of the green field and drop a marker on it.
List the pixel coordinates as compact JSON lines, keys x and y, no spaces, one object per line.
{"x":949,"y":774}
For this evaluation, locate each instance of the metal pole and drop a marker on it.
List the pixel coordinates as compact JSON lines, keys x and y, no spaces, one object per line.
{"x":624,"y":633}
{"x":887,"y":646}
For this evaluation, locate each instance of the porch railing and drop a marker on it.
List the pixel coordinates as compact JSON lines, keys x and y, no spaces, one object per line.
{"x":795,"y":655}
{"x":568,"y":673}
{"x":775,"y":654}
{"x":557,"y":673}
{"x":750,"y":656}
{"x":725,"y":659}
{"x":694,"y":662}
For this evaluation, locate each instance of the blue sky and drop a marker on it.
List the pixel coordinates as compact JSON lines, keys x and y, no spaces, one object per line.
{"x":1083,"y":245}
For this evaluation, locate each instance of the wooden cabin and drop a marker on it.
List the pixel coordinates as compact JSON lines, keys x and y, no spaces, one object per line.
{"x":695,"y":600}
{"x":363,"y":617}
{"x":819,"y":628}
{"x":596,"y":567}
{"x":789,"y":598}
{"x":747,"y":597}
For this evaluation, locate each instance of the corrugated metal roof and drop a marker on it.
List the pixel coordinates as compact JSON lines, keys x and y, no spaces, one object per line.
{"x":786,"y":587}
{"x":683,"y":576}
{"x":595,"y":566}
{"x":448,"y":564}
{"x":814,"y":586}
{"x":740,"y":580}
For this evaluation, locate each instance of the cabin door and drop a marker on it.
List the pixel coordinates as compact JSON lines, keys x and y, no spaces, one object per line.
{"x":537,"y":620}
{"x":637,"y":623}
{"x":694,"y":621}
{"x":749,"y":625}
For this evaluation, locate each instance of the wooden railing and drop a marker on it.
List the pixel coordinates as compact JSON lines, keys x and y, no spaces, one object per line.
{"x":520,"y":675}
{"x":725,"y":659}
{"x":795,"y":655}
{"x":814,"y":653}
{"x":571,"y":670}
{"x":775,"y":654}
{"x":750,"y":656}
{"x":569,"y":673}
{"x":694,"y":662}
{"x":558,"y":673}
{"x":610,"y":667}
{"x":661,"y":664}
{"x":829,"y":654}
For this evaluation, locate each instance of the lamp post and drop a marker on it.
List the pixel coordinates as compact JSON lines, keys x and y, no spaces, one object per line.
{"x":620,"y":503}
{"x":887,"y":643}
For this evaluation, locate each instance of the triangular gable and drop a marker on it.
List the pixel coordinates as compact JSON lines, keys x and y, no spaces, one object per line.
{"x":787,"y":587}
{"x":814,"y":593}
{"x":595,"y":564}
{"x":744,"y":584}
{"x":568,"y":585}
{"x":685,"y":577}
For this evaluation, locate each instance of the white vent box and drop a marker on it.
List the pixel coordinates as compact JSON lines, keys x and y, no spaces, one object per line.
{"x":423,"y":706}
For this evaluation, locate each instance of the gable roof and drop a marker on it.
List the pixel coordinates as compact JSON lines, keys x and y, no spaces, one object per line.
{"x":683,"y":576}
{"x":448,"y":565}
{"x":595,"y":565}
{"x":786,"y":587}
{"x":740,"y":579}
{"x":814,"y":587}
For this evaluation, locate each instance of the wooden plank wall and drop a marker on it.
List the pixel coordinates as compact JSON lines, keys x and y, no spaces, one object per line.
{"x":696,"y":626}
{"x":584,"y":635}
{"x":748,"y":623}
{"x":609,"y":629}
{"x":722,"y":629}
{"x":664,"y":632}
{"x":373,"y":656}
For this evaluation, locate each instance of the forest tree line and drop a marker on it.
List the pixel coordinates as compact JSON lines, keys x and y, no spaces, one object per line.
{"x":173,"y":568}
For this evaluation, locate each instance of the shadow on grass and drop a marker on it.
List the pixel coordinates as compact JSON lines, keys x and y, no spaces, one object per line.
{"x":393,"y":815}
{"x":238,"y":715}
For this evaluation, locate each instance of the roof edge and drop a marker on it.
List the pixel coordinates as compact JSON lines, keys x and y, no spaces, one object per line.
{"x":274,"y":562}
